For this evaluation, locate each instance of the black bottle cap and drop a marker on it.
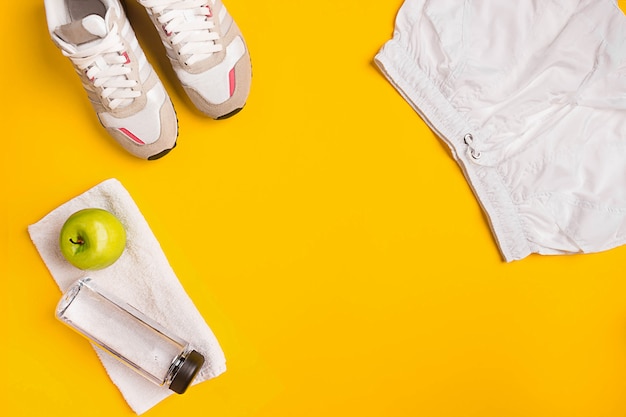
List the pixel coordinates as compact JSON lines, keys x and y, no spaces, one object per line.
{"x":187,"y":372}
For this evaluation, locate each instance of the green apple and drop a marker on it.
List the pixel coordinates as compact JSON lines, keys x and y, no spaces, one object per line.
{"x":92,"y":239}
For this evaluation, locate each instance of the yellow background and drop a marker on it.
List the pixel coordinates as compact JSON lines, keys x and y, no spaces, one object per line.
{"x":325,"y":234}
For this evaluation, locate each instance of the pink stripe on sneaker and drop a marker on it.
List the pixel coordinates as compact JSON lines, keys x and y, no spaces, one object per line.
{"x":131,"y":136}
{"x":231,"y":81}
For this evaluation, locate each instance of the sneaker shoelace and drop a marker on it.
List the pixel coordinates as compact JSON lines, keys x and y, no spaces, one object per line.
{"x":105,"y":64}
{"x":189,"y":25}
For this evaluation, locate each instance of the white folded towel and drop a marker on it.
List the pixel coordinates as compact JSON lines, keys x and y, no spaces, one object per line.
{"x":142,"y":277}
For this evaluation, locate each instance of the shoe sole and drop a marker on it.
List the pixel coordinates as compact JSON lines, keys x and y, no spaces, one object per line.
{"x":231,"y":114}
{"x":162,"y":153}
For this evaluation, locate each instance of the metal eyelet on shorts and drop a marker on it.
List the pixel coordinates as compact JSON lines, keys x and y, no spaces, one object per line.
{"x":469,"y":139}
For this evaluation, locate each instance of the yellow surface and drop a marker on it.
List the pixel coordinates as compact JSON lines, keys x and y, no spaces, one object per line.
{"x":324,"y":233}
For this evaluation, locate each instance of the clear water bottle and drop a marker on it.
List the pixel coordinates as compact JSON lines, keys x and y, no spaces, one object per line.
{"x":129,"y":336}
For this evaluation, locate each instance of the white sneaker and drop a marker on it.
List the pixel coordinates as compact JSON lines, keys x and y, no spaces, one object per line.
{"x":127,"y":95}
{"x":207,"y":51}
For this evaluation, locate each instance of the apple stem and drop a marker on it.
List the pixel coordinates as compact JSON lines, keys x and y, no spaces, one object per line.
{"x":79,"y":242}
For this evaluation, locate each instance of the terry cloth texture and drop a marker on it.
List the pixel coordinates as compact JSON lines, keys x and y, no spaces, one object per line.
{"x":531,"y":98}
{"x":142,"y":277}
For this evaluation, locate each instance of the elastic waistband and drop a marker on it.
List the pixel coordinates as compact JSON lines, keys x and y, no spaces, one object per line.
{"x":484,"y":179}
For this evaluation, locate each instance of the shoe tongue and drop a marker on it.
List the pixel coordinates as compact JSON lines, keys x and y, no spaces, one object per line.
{"x":90,"y":28}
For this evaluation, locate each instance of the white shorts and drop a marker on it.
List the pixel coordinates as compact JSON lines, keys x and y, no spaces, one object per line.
{"x":531,"y":98}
